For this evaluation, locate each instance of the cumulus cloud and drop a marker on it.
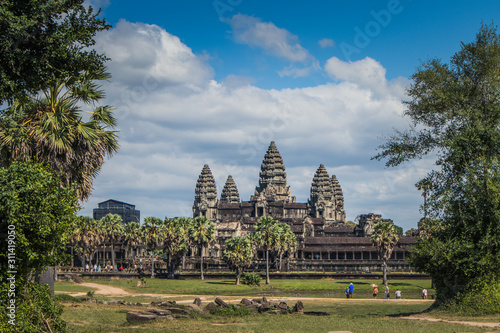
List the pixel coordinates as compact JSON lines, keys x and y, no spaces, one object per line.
{"x":168,"y":133}
{"x":148,"y":55}
{"x":326,"y":42}
{"x":275,"y":41}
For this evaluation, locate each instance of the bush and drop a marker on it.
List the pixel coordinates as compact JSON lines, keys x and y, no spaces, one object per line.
{"x":90,"y":293}
{"x":67,"y":298}
{"x":231,"y":311}
{"x":36,"y":311}
{"x":481,"y":300}
{"x":252,"y":279}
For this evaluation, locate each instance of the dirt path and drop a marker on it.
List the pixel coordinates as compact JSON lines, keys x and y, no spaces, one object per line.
{"x":102,"y":290}
{"x":470,"y":323}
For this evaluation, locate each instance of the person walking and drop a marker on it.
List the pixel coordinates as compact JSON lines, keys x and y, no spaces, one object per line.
{"x":375,"y":291}
{"x":387,"y":295}
{"x":351,"y":290}
{"x":424,"y":293}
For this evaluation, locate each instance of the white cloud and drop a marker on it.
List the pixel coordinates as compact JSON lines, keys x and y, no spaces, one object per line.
{"x":326,"y":42}
{"x":276,"y":41}
{"x":146,"y":54}
{"x":169,"y":132}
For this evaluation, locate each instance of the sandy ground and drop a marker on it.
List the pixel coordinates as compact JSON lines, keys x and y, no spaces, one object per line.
{"x":118,"y":292}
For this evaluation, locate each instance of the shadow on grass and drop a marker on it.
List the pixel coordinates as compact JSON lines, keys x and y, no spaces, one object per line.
{"x":221,"y":282}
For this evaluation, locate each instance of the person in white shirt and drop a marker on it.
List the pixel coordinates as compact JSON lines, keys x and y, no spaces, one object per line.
{"x":398,"y":294}
{"x":424,"y":293}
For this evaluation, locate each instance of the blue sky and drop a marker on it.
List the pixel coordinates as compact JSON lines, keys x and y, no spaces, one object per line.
{"x":214,"y":82}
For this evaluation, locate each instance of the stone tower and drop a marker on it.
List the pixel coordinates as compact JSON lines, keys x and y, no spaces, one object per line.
{"x":339,"y":200}
{"x":205,"y":195}
{"x":230,"y":192}
{"x":326,"y":200}
{"x":272,"y":177}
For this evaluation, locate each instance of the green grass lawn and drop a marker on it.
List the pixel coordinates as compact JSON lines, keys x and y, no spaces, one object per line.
{"x":345,"y":315}
{"x":279,"y":287}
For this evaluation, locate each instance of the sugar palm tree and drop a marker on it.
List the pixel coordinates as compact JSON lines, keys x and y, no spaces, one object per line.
{"x":384,"y":238}
{"x":238,"y":254}
{"x":132,"y":235}
{"x":112,"y":225}
{"x":153,"y":235}
{"x":85,"y":237}
{"x":284,"y":240}
{"x":265,"y":231}
{"x":176,"y":240}
{"x":51,"y":128}
{"x":201,"y":233}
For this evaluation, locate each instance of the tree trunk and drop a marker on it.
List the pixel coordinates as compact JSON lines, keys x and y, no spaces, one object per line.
{"x":103,"y":254}
{"x":384,"y":268}
{"x":238,"y":274}
{"x":72,"y":257}
{"x":267,"y":267}
{"x":113,"y":255}
{"x":201,"y":261}
{"x":169,"y":267}
{"x":152,"y":264}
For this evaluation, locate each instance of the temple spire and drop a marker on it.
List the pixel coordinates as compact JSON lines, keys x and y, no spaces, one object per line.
{"x":230,"y":191}
{"x":205,"y":195}
{"x":272,"y":177}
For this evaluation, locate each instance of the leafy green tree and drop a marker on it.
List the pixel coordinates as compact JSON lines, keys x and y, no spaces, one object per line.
{"x":413,"y":232}
{"x":455,"y":110}
{"x":238,"y":254}
{"x":201,"y":233}
{"x":384,"y":238}
{"x":51,"y":128}
{"x":283,"y":240}
{"x":112,"y":225}
{"x":43,"y":41}
{"x":154,"y":234}
{"x":265,"y":231}
{"x":85,"y":237}
{"x":36,"y":216}
{"x":176,"y":240}
{"x":132,"y":236}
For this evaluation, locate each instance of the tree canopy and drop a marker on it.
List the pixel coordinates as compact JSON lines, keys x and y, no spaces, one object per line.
{"x":455,"y":114}
{"x":43,"y":41}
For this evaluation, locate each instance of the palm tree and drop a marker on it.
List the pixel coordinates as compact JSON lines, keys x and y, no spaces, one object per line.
{"x":284,"y":240}
{"x":85,"y":237}
{"x":265,"y":231}
{"x":51,"y":129}
{"x":176,"y":239}
{"x":238,"y":254}
{"x":114,"y":230}
{"x":132,"y":235}
{"x":384,"y":238}
{"x":201,"y":233}
{"x":153,"y":234}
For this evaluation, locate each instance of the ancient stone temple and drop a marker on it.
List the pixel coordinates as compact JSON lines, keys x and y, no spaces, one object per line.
{"x":319,"y":224}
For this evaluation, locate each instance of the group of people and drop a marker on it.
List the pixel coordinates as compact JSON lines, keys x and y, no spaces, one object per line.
{"x":387,"y":295}
{"x":98,"y":268}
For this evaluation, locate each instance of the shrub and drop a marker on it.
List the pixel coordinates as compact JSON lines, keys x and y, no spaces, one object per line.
{"x":252,"y":279}
{"x":67,"y":298}
{"x":231,"y":311}
{"x":90,"y":293}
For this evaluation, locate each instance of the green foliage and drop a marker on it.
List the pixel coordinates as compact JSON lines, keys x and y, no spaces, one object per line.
{"x":36,"y":311}
{"x":68,"y":298}
{"x":482,"y":299}
{"x":238,"y":254}
{"x":252,"y":279}
{"x":41,"y":212}
{"x":51,"y":128}
{"x":231,"y":311}
{"x":90,"y":293}
{"x":455,"y":110}
{"x":41,"y":41}
{"x":176,"y":240}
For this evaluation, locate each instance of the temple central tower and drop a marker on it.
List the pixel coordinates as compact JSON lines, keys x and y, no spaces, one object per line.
{"x":272,"y":177}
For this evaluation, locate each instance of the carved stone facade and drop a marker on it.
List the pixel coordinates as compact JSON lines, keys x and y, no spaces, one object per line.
{"x":319,"y":224}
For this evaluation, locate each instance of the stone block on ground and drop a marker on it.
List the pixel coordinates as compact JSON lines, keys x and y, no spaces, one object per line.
{"x":299,"y":307}
{"x":197,"y":301}
{"x":136,"y":316}
{"x":194,"y":308}
{"x":246,"y":301}
{"x":283,"y":306}
{"x":221,"y":303}
{"x":178,"y":311}
{"x":210,"y":306}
